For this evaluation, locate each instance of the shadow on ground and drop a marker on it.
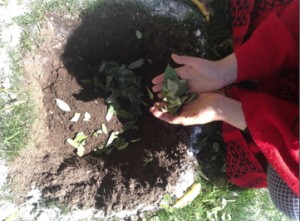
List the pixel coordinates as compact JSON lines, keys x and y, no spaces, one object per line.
{"x":140,"y":174}
{"x":129,"y":179}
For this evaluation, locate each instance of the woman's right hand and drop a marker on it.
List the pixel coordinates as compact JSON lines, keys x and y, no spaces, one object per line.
{"x":202,"y":75}
{"x":208,"y":107}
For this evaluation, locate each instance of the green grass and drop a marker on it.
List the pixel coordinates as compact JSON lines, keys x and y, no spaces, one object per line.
{"x":33,"y":20}
{"x":15,"y":116}
{"x":224,"y":204}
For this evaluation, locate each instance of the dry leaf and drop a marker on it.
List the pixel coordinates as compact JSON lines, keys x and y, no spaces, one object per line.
{"x":63,"y":105}
{"x":76,"y":117}
{"x":110,"y":113}
{"x":87,"y":116}
{"x":189,"y":196}
{"x":138,"y":34}
{"x":104,"y":129}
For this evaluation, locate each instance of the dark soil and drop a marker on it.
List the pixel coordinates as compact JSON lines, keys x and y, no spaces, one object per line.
{"x":126,"y":179}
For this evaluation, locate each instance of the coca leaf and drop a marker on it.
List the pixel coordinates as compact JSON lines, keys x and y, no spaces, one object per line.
{"x":62,"y":105}
{"x":175,"y":91}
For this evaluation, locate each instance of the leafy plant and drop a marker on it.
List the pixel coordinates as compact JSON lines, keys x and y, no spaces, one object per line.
{"x":175,"y":92}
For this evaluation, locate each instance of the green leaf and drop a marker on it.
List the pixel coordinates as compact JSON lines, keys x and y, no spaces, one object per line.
{"x":191,"y":98}
{"x":80,"y":150}
{"x":164,"y":88}
{"x":86,"y":81}
{"x":136,"y":64}
{"x":183,"y":88}
{"x":170,"y":73}
{"x":172,"y":85}
{"x":123,"y":146}
{"x":78,"y":143}
{"x":102,"y":67}
{"x":135,"y":110}
{"x":124,"y":114}
{"x":120,"y":143}
{"x":131,"y":125}
{"x":125,"y":97}
{"x":135,"y":140}
{"x":109,"y":151}
{"x":97,"y":132}
{"x":174,"y":91}
{"x":110,"y":113}
{"x":144,"y":103}
{"x":111,"y":138}
{"x":73,"y":143}
{"x":151,"y":96}
{"x":111,"y":68}
{"x":104,"y":129}
{"x":109,"y":80}
{"x":99,"y":84}
{"x":171,"y":94}
{"x":138,"y":34}
{"x":80,"y":137}
{"x":124,"y":71}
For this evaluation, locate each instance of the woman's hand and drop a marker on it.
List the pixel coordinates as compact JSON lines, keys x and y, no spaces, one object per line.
{"x":206,"y":108}
{"x":202,"y":75}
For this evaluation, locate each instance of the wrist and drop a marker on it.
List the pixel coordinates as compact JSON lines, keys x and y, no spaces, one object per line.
{"x":228,"y":69}
{"x":231,"y":112}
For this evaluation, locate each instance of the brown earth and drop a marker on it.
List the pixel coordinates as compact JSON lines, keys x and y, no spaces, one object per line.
{"x":136,"y":176}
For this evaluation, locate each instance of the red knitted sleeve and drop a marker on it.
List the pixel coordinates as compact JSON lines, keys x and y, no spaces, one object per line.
{"x":274,"y":126}
{"x":273,"y":46}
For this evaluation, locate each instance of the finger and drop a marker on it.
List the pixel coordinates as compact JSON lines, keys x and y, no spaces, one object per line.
{"x":157,"y":88}
{"x":161,"y":115}
{"x":186,"y":60}
{"x":160,"y":95}
{"x":158,"y":79}
{"x":180,"y":120}
{"x":167,"y":117}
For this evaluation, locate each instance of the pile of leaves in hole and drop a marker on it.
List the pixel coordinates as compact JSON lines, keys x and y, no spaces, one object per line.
{"x":124,"y":97}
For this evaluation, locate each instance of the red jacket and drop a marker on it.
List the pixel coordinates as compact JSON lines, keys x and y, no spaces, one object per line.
{"x":266,"y":37}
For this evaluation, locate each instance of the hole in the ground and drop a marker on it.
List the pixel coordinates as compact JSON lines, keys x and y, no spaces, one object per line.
{"x":140,"y":174}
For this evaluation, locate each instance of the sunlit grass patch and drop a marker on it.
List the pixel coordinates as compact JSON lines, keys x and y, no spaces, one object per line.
{"x":32,"y":21}
{"x":16,"y":113}
{"x":225,"y":204}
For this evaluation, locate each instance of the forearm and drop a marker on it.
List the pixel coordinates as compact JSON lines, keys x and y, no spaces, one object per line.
{"x":231,"y":112}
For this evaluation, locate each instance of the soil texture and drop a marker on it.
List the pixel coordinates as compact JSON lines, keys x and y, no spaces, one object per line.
{"x":132,"y":178}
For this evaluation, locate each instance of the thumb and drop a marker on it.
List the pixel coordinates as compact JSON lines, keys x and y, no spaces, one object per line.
{"x":185,"y":60}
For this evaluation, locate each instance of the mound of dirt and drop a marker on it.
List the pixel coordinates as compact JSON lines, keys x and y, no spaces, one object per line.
{"x":128,"y":179}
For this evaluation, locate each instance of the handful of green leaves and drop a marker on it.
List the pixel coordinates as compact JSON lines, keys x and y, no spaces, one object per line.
{"x":175,"y":92}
